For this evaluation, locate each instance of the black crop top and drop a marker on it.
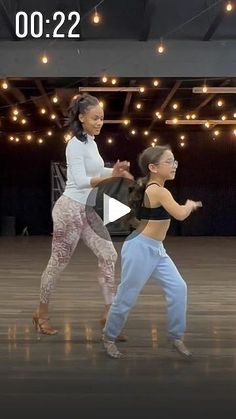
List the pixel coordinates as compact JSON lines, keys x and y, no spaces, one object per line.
{"x":158,"y":213}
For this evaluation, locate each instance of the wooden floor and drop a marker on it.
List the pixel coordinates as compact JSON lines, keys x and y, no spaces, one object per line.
{"x":71,"y":373}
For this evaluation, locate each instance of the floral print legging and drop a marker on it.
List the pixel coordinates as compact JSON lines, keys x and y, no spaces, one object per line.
{"x":71,"y":222}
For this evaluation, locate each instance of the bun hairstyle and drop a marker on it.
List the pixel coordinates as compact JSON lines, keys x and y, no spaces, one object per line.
{"x":79,"y":104}
{"x":136,"y":192}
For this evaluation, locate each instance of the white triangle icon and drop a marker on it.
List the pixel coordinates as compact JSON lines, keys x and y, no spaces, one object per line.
{"x":113,"y":209}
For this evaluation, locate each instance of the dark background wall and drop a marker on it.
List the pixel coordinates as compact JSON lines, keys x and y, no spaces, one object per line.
{"x":207,"y":172}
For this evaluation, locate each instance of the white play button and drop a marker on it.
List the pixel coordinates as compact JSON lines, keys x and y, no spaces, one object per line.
{"x":113,"y":209}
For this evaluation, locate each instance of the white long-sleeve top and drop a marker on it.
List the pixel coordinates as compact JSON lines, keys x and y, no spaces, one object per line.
{"x":83,"y":163}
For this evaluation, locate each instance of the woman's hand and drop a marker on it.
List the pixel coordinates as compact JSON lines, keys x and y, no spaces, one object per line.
{"x":127,"y":175}
{"x":120,"y":167}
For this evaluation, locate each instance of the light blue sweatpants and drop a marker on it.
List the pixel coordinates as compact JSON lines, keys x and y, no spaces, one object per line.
{"x":142,"y":258}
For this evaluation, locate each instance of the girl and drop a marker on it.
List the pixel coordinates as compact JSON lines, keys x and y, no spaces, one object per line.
{"x":143,"y":254}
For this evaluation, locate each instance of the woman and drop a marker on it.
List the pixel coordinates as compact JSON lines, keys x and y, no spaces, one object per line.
{"x":71,"y":221}
{"x":143,"y":254}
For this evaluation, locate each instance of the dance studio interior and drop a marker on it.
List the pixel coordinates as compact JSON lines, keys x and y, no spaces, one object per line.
{"x":162,"y":76}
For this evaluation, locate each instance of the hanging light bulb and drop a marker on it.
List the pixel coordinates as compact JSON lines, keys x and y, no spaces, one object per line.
{"x":133,"y":132}
{"x":142,"y":89}
{"x":175,"y":106}
{"x":223,"y":117}
{"x":182,"y":144}
{"x":104,"y":79}
{"x":55,"y":99}
{"x":101,"y":103}
{"x":139,"y":105}
{"x":5,"y":85}
{"x":204,"y":89}
{"x":146,"y":133}
{"x":96,"y":17}
{"x":182,"y":137}
{"x":29,"y":137}
{"x":23,"y":121}
{"x":193,"y":116}
{"x":220,"y":103}
{"x":17,"y":139}
{"x":188,"y":116}
{"x":155,"y":140}
{"x":11,"y":138}
{"x":40,"y":141}
{"x":53,"y":116}
{"x":207,"y":125}
{"x":126,"y":121}
{"x":161,"y":48}
{"x":109,"y":140}
{"x":229,"y":6}
{"x":155,"y":83}
{"x":216,"y":132}
{"x":175,"y":121}
{"x":15,"y":111}
{"x":49,"y":133}
{"x":44,"y":59}
{"x":42,"y":111}
{"x":114,"y":81}
{"x":14,"y":118}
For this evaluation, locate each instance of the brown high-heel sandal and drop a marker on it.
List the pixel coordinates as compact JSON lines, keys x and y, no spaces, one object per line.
{"x":42,"y":325}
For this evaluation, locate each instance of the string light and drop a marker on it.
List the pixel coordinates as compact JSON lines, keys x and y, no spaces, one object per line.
{"x":139,"y":105}
{"x":234,"y":132}
{"x":110,"y":141}
{"x":142,"y":89}
{"x":11,"y":138}
{"x":182,"y":144}
{"x":205,"y":89}
{"x":104,"y":79}
{"x":216,"y":132}
{"x":49,"y":133}
{"x":229,"y":6}
{"x":182,"y":137}
{"x":17,"y":140}
{"x":67,"y":136}
{"x":235,"y":115}
{"x":207,"y":125}
{"x":114,"y":81}
{"x":53,"y":116}
{"x":146,"y":133}
{"x":40,"y":141}
{"x":126,"y":121}
{"x":220,"y":103}
{"x":15,"y":112}
{"x":23,"y":121}
{"x":55,"y":99}
{"x":175,"y":121}
{"x":155,"y":140}
{"x":96,"y":17}
{"x":44,"y":59}
{"x":29,"y":137}
{"x":155,"y":83}
{"x":42,"y":111}
{"x":161,"y":48}
{"x":193,"y":116}
{"x":133,"y":132}
{"x":101,"y":103}
{"x":5,"y":85}
{"x":188,"y":116}
{"x":223,"y":117}
{"x":175,"y":106}
{"x":158,"y":114}
{"x":153,"y":144}
{"x":14,"y":118}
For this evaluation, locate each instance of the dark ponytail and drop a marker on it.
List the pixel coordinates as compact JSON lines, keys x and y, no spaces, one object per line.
{"x":79,"y":105}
